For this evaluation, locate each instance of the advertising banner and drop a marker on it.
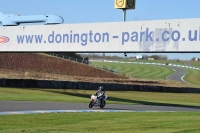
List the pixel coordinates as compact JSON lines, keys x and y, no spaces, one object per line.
{"x":181,"y":35}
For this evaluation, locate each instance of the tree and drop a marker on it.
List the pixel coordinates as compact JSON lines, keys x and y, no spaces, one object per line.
{"x":193,"y":59}
{"x":156,"y":57}
{"x":145,"y":57}
{"x":69,"y":54}
{"x":163,"y":57}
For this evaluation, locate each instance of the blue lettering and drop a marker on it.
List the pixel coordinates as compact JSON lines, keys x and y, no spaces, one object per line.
{"x":58,"y":38}
{"x":192,"y":38}
{"x":105,"y":35}
{"x":76,"y":38}
{"x":125,"y":37}
{"x":97,"y":37}
{"x":38,"y":38}
{"x":141,"y":36}
{"x":134,"y":37}
{"x":164,"y":38}
{"x":51,"y":38}
{"x":65,"y":38}
{"x":91,"y":34}
{"x":71,"y":37}
{"x":84,"y":39}
{"x":149,"y":35}
{"x":20,"y":39}
{"x":161,"y":35}
{"x":178,"y":35}
{"x":199,"y":33}
{"x":29,"y":38}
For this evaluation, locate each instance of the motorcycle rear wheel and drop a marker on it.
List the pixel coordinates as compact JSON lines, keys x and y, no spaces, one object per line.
{"x":103,"y":103}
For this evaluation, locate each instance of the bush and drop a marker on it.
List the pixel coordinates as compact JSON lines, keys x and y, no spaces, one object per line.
{"x":122,"y":75}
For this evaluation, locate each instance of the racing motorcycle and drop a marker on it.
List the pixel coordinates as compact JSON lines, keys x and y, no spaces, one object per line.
{"x":96,"y":102}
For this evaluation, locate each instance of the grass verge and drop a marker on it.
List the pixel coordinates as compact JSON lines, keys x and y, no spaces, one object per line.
{"x":179,"y":122}
{"x":195,"y":63}
{"x":115,"y":97}
{"x":193,"y":76}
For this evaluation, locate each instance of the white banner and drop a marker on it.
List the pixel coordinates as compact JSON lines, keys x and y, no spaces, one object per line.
{"x":138,"y":36}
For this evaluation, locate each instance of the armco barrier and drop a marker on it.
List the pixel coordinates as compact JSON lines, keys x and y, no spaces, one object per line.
{"x":31,"y":83}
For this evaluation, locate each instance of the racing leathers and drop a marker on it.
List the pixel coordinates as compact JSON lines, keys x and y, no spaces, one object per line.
{"x":100,"y":94}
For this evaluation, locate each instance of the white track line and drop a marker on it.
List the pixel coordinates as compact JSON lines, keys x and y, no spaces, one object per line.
{"x":71,"y":111}
{"x":172,"y":73}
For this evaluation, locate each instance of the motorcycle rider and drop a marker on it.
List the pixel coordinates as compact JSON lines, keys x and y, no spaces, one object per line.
{"x":101,"y":93}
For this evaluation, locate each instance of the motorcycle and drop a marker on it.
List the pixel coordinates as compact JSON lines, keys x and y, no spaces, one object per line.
{"x":96,"y":102}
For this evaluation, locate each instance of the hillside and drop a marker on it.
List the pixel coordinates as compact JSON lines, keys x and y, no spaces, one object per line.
{"x":47,"y":67}
{"x":40,"y":63}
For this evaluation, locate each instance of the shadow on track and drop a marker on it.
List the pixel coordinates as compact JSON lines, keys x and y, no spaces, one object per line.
{"x":124,"y":100}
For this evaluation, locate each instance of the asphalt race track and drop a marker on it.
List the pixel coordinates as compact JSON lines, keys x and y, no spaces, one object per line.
{"x":26,"y":107}
{"x":178,"y":75}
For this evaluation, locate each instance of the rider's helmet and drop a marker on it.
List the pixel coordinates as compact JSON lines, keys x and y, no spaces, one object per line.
{"x":100,"y":87}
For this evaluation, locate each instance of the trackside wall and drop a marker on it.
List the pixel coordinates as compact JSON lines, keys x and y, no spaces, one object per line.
{"x":30,"y":83}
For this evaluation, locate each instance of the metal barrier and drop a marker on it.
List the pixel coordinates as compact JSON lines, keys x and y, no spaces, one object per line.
{"x":83,"y":60}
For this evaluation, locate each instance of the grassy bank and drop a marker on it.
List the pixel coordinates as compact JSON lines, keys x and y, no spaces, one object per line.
{"x":181,"y":122}
{"x":115,"y":97}
{"x":138,"y":70}
{"x":150,"y":71}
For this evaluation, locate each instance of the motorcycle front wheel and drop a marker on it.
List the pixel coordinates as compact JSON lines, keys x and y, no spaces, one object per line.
{"x":91,"y":104}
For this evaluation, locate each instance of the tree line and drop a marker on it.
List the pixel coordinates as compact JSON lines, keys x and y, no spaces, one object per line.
{"x":104,"y":56}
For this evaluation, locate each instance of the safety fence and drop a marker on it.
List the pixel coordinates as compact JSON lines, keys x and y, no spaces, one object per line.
{"x":106,"y":68}
{"x":33,"y":83}
{"x":80,"y":60}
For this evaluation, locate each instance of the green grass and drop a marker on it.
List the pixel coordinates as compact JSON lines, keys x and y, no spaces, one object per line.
{"x":195,"y":63}
{"x":144,"y":71}
{"x":138,"y":70}
{"x":176,"y":122}
{"x":193,"y":76}
{"x":179,"y":122}
{"x":115,"y":97}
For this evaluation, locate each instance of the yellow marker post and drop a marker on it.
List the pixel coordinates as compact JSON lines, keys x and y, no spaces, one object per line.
{"x":125,"y":5}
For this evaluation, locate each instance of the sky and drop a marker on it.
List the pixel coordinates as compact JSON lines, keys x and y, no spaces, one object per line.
{"x":100,"y":11}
